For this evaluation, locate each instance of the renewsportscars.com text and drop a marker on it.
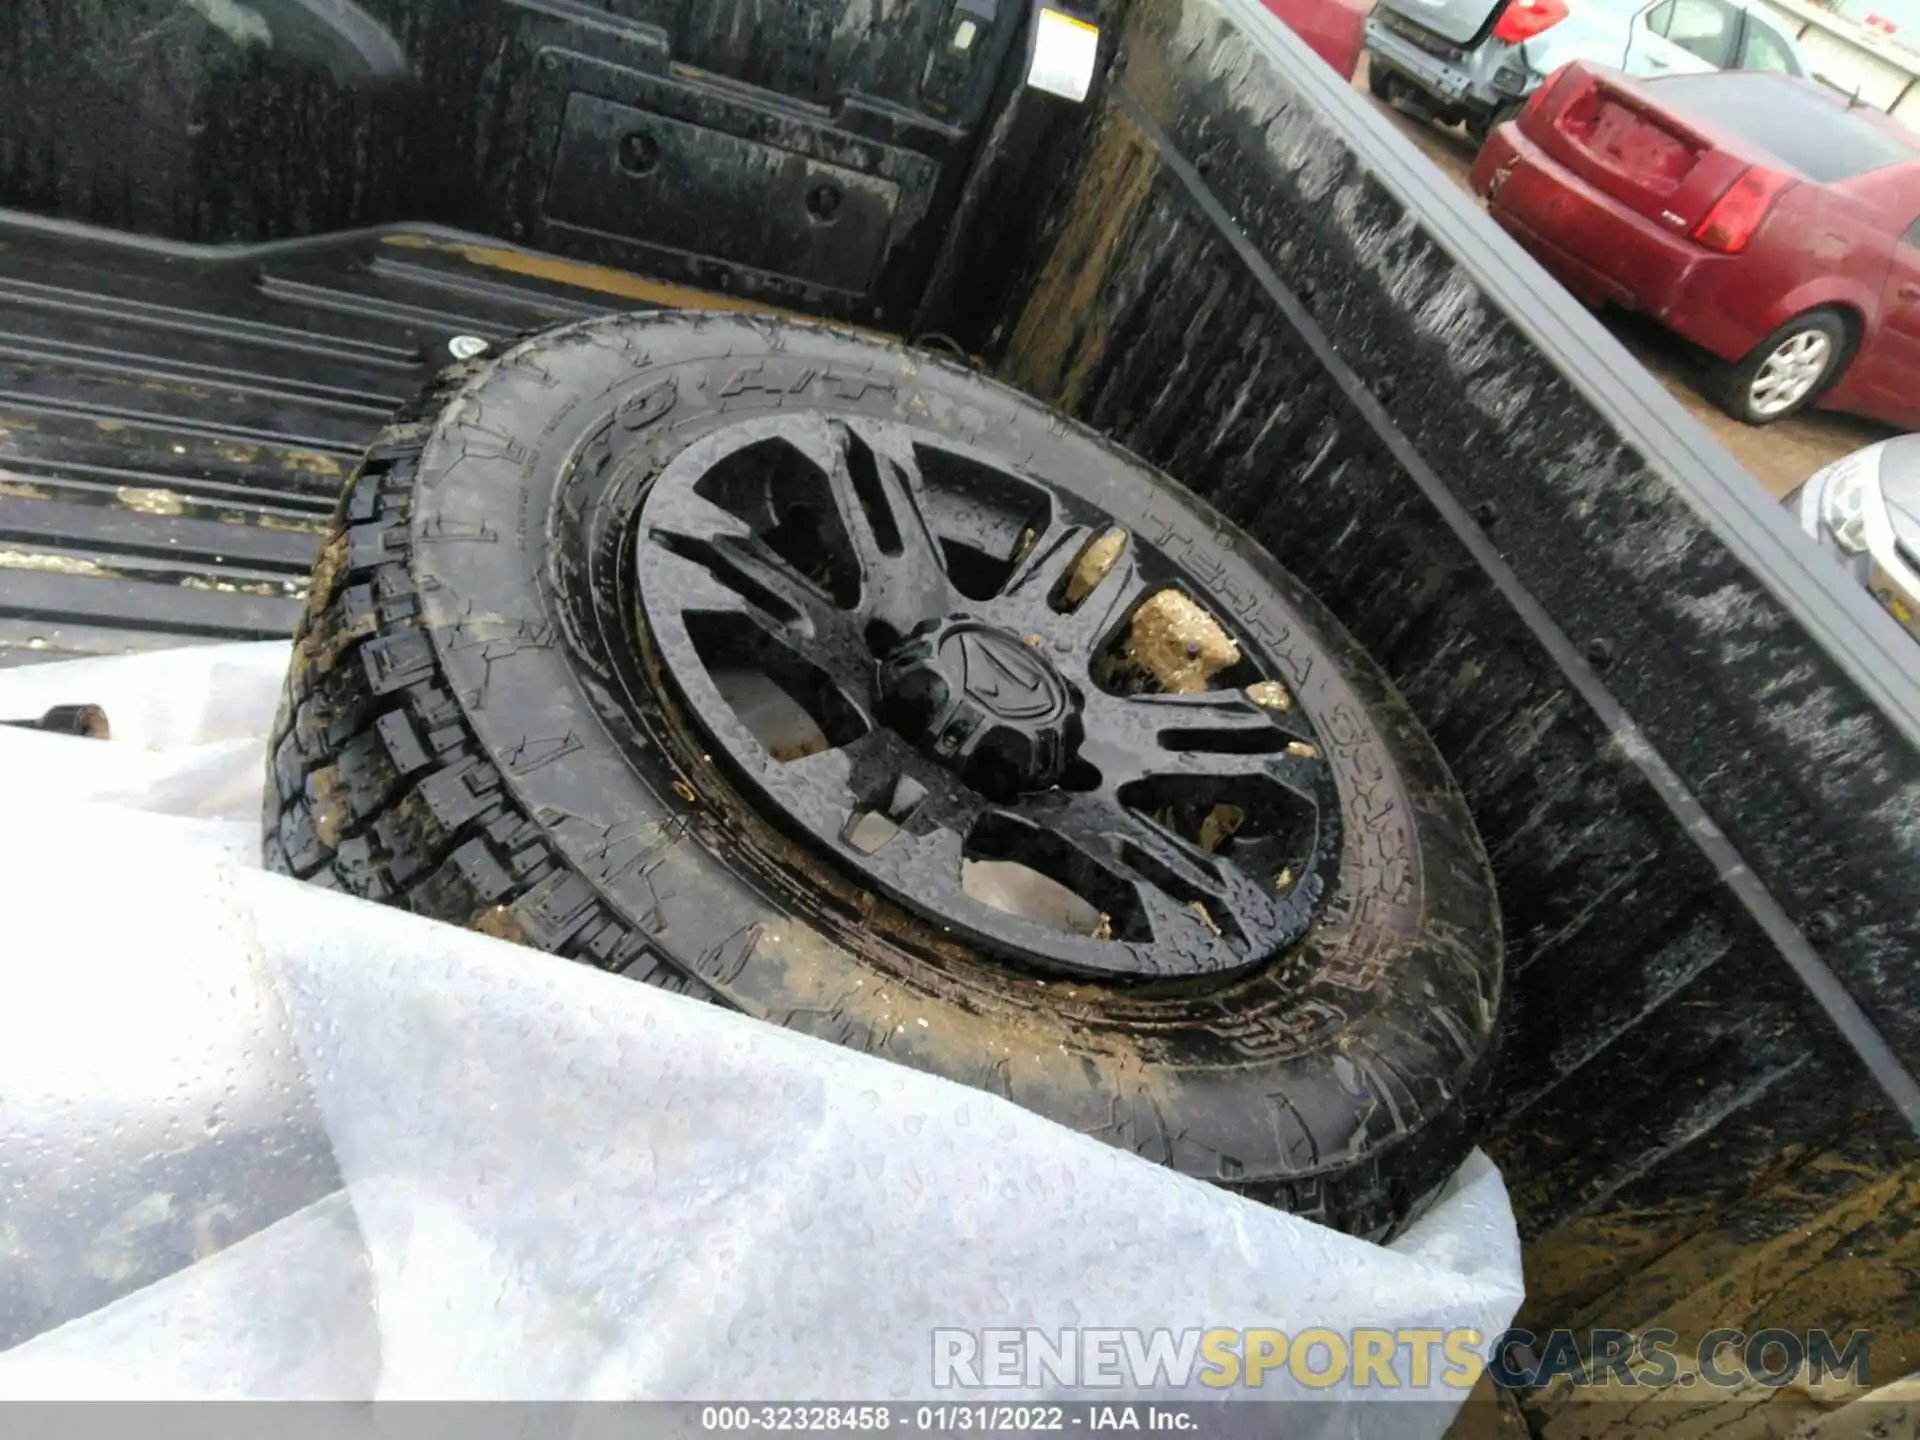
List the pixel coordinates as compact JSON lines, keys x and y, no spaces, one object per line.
{"x":1412,"y":1359}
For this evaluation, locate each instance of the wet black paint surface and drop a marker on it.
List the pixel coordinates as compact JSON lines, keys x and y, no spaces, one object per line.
{"x":1662,"y":1047}
{"x":145,"y":116}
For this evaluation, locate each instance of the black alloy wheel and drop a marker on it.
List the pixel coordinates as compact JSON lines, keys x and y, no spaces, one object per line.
{"x":1053,"y":718}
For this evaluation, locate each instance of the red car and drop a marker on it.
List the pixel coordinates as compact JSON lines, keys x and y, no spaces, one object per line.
{"x":1334,"y":29}
{"x":1761,"y":217}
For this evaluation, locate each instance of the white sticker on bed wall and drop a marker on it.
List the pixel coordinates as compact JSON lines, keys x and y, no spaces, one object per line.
{"x":1065,"y":54}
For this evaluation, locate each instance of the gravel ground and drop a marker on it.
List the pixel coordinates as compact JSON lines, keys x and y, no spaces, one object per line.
{"x":1779,"y":456}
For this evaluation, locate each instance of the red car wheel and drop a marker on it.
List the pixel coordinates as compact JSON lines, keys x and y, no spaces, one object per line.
{"x":1788,"y":370}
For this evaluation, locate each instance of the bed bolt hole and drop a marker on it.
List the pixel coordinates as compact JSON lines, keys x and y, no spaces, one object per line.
{"x":639,"y":153}
{"x":823,"y":203}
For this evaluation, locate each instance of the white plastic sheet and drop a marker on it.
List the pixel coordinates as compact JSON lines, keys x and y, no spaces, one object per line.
{"x":261,"y":1140}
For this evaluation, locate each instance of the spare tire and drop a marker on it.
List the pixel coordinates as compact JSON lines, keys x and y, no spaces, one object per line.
{"x":835,"y":684}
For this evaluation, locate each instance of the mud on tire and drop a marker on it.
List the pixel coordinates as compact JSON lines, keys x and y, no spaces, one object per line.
{"x":476,"y":728}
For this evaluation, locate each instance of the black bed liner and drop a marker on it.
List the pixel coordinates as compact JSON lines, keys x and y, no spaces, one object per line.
{"x":175,"y":423}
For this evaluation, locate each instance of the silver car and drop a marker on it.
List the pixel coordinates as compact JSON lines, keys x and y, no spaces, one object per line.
{"x":1477,"y":61}
{"x":1865,"y":512}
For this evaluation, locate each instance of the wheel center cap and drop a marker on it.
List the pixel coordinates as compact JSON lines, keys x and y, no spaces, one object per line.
{"x":984,"y":702}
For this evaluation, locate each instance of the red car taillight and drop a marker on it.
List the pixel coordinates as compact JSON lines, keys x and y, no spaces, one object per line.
{"x":1543,"y":92}
{"x":1524,"y":19}
{"x":1736,"y":215}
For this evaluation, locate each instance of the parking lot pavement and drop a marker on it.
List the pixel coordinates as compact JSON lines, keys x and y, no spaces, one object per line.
{"x":1780,"y":455}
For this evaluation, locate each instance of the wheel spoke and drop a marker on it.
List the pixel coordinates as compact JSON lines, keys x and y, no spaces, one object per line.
{"x":730,"y":574}
{"x":1045,"y":568}
{"x":836,"y":776}
{"x":1220,"y":716}
{"x":1300,"y":768}
{"x":1170,"y":861}
{"x":1214,"y":733}
{"x":1104,"y":607}
{"x":1039,"y":597}
{"x":880,"y":494}
{"x":1072,"y":846}
{"x":1186,"y":889}
{"x":724,"y":567}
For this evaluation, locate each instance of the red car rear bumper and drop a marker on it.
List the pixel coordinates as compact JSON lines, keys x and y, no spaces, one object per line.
{"x":1335,"y":29}
{"x":1602,"y":251}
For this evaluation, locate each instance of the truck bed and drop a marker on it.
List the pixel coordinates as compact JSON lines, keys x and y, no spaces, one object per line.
{"x":175,"y":422}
